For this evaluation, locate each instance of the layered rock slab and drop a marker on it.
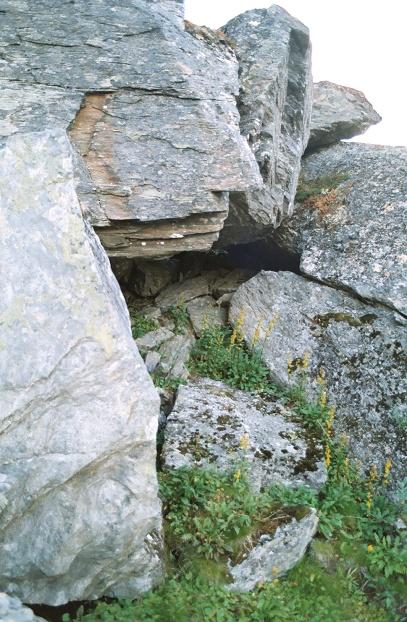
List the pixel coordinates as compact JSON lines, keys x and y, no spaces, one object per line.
{"x":352,"y":233}
{"x":362,"y":350}
{"x":338,"y":112}
{"x":274,"y":53}
{"x":80,"y":516}
{"x":213,"y":425}
{"x":158,"y":127}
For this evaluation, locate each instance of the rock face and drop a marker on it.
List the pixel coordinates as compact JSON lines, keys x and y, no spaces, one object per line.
{"x":274,"y":55}
{"x":12,"y":610}
{"x":80,"y":516}
{"x":354,"y":236}
{"x":274,"y":557}
{"x":214,"y":425}
{"x":338,"y":112}
{"x":361,"y":348}
{"x":151,"y":108}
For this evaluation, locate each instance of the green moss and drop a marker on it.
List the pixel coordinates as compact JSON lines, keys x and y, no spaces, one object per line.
{"x":322,"y":185}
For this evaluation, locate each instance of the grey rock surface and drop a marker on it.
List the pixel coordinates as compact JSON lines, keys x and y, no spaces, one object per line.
{"x":204,"y":313}
{"x":275,"y":99}
{"x":153,"y":339}
{"x":150,"y":277}
{"x":175,"y":355}
{"x":338,"y":112}
{"x":212,"y":424}
{"x":355,"y":236}
{"x":12,"y":610}
{"x":184,"y":291}
{"x":158,"y":127}
{"x":274,"y":557}
{"x":361,"y":348}
{"x":78,"y":411}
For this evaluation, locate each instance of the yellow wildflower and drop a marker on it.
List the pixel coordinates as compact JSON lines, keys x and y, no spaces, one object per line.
{"x":373,"y":473}
{"x":244,"y":442}
{"x":370,"y":548}
{"x":369,"y":500}
{"x":323,"y":398}
{"x":237,"y":334}
{"x":321,"y":377}
{"x":290,"y":366}
{"x":327,"y":456}
{"x":330,"y":420}
{"x":256,"y":334}
{"x":387,"y":469}
{"x":305,"y":360}
{"x":238,"y":475}
{"x":271,"y":324}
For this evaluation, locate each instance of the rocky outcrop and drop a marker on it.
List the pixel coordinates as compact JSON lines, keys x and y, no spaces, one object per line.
{"x":338,"y":112}
{"x":79,"y":512}
{"x":274,"y":55}
{"x":274,"y":556}
{"x":150,"y":107}
{"x":12,"y":610}
{"x":360,"y":348}
{"x":213,"y":425}
{"x":350,"y":230}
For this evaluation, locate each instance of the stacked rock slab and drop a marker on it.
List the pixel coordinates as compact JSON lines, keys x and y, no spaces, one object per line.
{"x":360,"y":348}
{"x":274,"y":53}
{"x":352,"y":233}
{"x":338,"y":112}
{"x":79,"y":512}
{"x":151,"y":108}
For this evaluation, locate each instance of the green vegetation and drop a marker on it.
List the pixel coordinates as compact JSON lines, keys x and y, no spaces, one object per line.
{"x":180,"y":316}
{"x":358,"y":568}
{"x":164,"y":381}
{"x":141,"y":324}
{"x":316,"y":187}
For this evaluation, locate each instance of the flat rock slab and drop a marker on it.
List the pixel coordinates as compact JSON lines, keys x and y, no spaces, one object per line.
{"x":214,"y":425}
{"x":361,"y":348}
{"x":204,"y":313}
{"x":274,"y":53}
{"x":355,"y":235}
{"x":79,"y":511}
{"x":338,"y":112}
{"x":274,"y":556}
{"x":175,"y":354}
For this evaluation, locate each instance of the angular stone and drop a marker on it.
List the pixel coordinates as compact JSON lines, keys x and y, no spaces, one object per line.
{"x":12,"y":610}
{"x":152,"y":360}
{"x":274,"y":55}
{"x":152,"y":276}
{"x":78,"y":411}
{"x":183,"y":292}
{"x":153,"y":339}
{"x":274,"y":557}
{"x":214,"y":425}
{"x":354,"y":236}
{"x":229,"y":281}
{"x":205,"y":313}
{"x":338,"y":112}
{"x":361,"y":348}
{"x":175,"y":355}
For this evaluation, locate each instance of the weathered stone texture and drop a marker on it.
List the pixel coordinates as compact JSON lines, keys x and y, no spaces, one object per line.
{"x":355,"y":235}
{"x":338,"y":112}
{"x":80,"y":516}
{"x":214,"y":425}
{"x":361,"y":348}
{"x":158,"y":128}
{"x":274,"y":55}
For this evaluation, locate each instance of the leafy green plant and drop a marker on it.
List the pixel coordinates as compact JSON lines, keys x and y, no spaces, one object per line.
{"x":165,"y":381}
{"x":180,"y":316}
{"x":218,"y":354}
{"x":141,"y":324}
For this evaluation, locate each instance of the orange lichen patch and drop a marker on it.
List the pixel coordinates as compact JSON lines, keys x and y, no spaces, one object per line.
{"x":324,"y":203}
{"x":209,"y":35}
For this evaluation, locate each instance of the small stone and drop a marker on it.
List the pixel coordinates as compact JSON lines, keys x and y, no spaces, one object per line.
{"x":175,"y":355}
{"x":183,"y":292}
{"x":205,"y":313}
{"x":151,"y":361}
{"x":153,"y":339}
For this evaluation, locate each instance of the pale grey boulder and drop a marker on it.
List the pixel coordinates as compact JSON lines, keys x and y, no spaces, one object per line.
{"x":150,"y":107}
{"x":78,"y":410}
{"x":354,"y":235}
{"x":274,"y":53}
{"x":12,"y":610}
{"x":338,"y":112}
{"x":274,"y":556}
{"x":361,"y":348}
{"x":174,"y":356}
{"x":213,"y":425}
{"x":205,"y":313}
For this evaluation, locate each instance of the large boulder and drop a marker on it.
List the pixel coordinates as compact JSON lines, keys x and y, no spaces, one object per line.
{"x":12,"y":610}
{"x":338,"y":112}
{"x":274,"y":53}
{"x":213,"y":425}
{"x":361,"y":348}
{"x":351,"y":229}
{"x":151,"y":109}
{"x":79,"y":512}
